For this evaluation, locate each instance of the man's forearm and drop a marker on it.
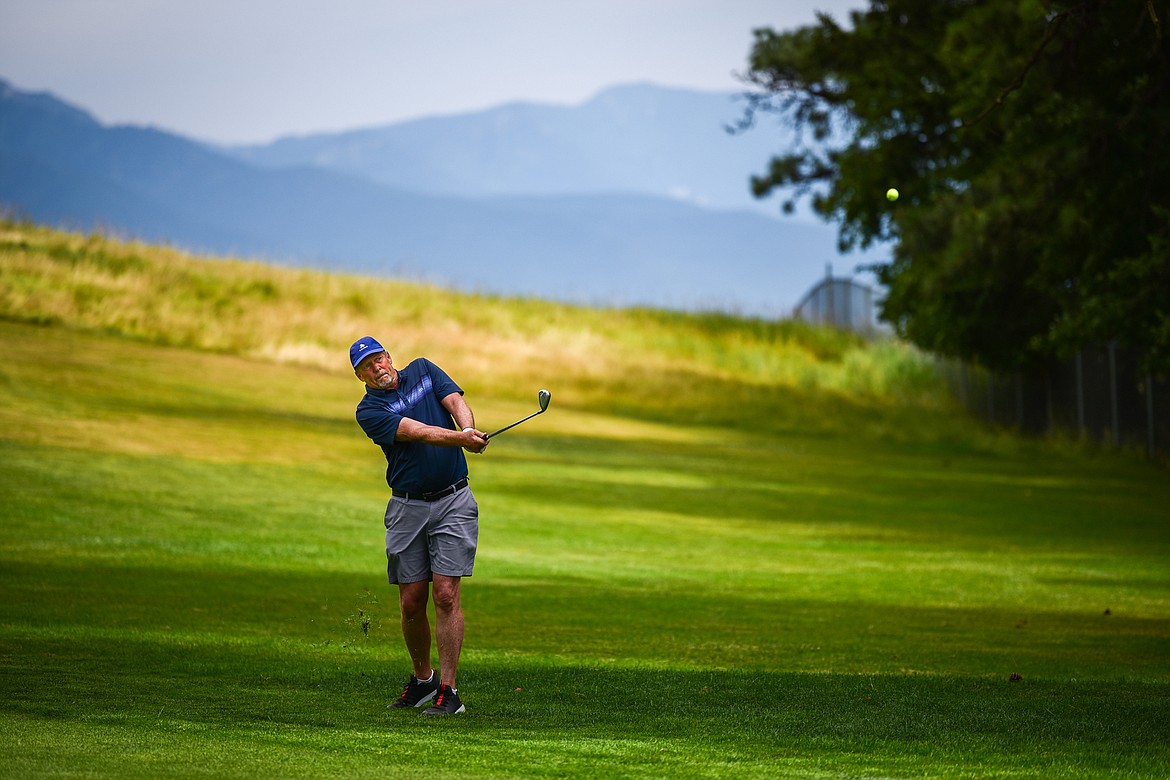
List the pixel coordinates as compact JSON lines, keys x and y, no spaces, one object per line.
{"x":460,"y":411}
{"x":412,"y":430}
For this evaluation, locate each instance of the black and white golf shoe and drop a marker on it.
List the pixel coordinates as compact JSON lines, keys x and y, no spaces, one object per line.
{"x":447,"y":703}
{"x":417,"y":693}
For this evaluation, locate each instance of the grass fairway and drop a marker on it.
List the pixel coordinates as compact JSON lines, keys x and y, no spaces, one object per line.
{"x":677,"y":579}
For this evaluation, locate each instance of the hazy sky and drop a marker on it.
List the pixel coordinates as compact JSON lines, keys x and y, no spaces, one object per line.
{"x":253,"y":70}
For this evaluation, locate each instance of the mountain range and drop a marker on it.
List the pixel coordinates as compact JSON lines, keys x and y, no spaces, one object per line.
{"x":643,"y":139}
{"x":636,"y":197}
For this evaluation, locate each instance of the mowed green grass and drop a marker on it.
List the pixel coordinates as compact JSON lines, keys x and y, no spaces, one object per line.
{"x":727,"y":579}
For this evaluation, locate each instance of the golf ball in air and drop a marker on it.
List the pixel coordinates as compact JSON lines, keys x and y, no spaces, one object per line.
{"x":891,"y":194}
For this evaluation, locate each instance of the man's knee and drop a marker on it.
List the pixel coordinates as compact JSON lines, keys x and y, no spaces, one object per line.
{"x":412,"y":599}
{"x":446,"y":593}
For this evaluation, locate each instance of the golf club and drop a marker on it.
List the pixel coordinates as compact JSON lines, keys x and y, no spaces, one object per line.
{"x":543,"y":397}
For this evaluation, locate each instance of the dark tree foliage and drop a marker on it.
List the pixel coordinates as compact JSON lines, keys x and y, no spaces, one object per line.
{"x":1030,"y":141}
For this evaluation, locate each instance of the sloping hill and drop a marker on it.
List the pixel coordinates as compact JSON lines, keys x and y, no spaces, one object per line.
{"x":309,"y":317}
{"x":761,"y":545}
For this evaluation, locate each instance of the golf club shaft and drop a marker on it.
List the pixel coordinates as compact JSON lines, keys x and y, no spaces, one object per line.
{"x":513,"y":425}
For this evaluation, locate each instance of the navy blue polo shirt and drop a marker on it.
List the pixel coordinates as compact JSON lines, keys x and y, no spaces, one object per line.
{"x":414,"y":466}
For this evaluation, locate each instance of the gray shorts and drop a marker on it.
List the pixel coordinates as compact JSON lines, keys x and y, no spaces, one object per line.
{"x":431,"y":537}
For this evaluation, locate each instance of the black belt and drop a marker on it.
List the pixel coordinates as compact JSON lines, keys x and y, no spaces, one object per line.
{"x":447,"y":491}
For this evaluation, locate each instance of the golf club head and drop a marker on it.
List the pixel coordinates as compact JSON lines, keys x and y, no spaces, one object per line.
{"x":543,"y":397}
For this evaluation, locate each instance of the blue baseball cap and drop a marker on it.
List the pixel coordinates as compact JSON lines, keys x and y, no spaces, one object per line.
{"x":362,"y":348}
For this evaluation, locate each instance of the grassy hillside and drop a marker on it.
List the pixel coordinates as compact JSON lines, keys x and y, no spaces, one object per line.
{"x":246,"y":308}
{"x":732,"y":548}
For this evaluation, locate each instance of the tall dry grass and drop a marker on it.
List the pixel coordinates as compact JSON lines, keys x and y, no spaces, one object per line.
{"x":309,"y":317}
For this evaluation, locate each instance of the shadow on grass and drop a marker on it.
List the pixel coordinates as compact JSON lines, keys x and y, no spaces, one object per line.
{"x":234,"y":691}
{"x":197,"y":660}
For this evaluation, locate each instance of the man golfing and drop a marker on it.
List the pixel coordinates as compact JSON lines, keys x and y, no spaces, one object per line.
{"x":419,"y":418}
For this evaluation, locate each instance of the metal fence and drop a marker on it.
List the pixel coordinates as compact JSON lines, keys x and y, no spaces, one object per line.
{"x":1100,"y":394}
{"x":840,"y":302}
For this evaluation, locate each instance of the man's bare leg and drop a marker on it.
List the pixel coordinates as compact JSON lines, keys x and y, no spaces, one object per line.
{"x":448,"y":626}
{"x":416,"y":628}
